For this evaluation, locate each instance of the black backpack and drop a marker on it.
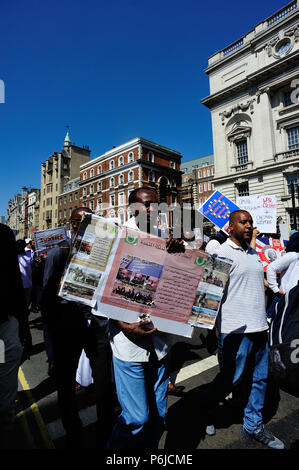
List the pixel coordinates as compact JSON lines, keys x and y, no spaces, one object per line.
{"x":284,"y":343}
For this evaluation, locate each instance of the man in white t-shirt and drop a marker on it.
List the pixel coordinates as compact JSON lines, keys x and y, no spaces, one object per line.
{"x":243,"y":328}
{"x":141,"y":363}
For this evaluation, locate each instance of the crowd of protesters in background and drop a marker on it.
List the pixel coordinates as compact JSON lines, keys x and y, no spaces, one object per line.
{"x":130,"y":362}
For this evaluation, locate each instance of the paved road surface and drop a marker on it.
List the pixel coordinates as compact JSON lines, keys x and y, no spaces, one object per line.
{"x":38,"y":425}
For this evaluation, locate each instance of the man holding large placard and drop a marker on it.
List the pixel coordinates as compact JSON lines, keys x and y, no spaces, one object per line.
{"x":141,"y":363}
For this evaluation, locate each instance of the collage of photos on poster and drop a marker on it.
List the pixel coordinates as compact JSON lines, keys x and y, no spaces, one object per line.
{"x":209,"y":292}
{"x":137,"y":280}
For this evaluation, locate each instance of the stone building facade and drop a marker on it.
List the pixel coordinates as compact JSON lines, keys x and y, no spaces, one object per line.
{"x":254,"y":103}
{"x":56,"y":171}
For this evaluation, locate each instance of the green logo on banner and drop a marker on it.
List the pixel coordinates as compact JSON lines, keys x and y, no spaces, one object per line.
{"x":200,"y":261}
{"x":131,"y":239}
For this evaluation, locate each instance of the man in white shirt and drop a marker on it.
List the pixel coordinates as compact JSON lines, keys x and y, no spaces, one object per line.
{"x":243,"y":327}
{"x":141,"y":364}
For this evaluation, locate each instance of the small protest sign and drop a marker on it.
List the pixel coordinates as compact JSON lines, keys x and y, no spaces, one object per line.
{"x":218,"y":209}
{"x":263,"y":209}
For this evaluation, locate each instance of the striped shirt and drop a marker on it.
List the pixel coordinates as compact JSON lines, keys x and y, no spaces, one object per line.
{"x":243,"y":308}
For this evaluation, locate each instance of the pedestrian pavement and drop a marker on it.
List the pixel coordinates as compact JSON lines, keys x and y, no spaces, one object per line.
{"x":38,"y":424}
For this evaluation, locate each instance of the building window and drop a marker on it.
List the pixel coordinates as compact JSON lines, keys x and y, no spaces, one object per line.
{"x":99,"y":203}
{"x":200,"y":188}
{"x":294,"y":178}
{"x":65,"y":199}
{"x":71,"y":198}
{"x":151,"y":157}
{"x":242,"y":151}
{"x":60,"y":201}
{"x":111,"y":164}
{"x":99,"y":186}
{"x":64,"y":213}
{"x":293,"y":137}
{"x":99,"y":169}
{"x":121,"y":179}
{"x":84,"y":191}
{"x":121,"y":161}
{"x":76,"y":196}
{"x":84,"y":204}
{"x":131,"y":176}
{"x":111,"y":182}
{"x":70,"y":211}
{"x":91,"y":189}
{"x":287,"y":99}
{"x":91,"y":173}
{"x":204,"y":173}
{"x":91,"y":204}
{"x":208,"y":172}
{"x":205,"y":187}
{"x":130,"y":157}
{"x":85,"y":175}
{"x":199,"y":174}
{"x":213,"y":171}
{"x":121,"y":199}
{"x":243,"y":189}
{"x":112,"y":200}
{"x":151,"y":176}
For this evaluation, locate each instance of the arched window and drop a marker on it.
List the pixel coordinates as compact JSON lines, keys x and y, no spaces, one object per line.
{"x":111,"y":164}
{"x":121,"y":161}
{"x":130,"y":157}
{"x":121,"y":179}
{"x":91,"y":172}
{"x":99,"y":169}
{"x":85,"y":175}
{"x":111,"y":182}
{"x":131,"y":176}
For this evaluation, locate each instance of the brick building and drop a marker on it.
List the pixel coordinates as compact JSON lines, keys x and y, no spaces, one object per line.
{"x":67,"y":201}
{"x":107,"y":181}
{"x":197,"y":180}
{"x":56,"y":171}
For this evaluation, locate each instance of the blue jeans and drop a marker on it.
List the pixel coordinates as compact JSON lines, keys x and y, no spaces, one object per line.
{"x":142,"y":394}
{"x":244,"y":356}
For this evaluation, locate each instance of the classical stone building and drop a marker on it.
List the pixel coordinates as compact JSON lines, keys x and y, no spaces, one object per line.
{"x":106,"y":181}
{"x":55,"y":173}
{"x":33,"y":204}
{"x":14,"y":213}
{"x":254,"y":89}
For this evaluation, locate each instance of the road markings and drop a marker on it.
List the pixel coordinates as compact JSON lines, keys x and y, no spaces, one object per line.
{"x":55,"y":430}
{"x":196,"y":368}
{"x":36,"y":413}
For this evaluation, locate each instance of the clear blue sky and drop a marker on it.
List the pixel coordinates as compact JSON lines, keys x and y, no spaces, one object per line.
{"x":112,"y":70}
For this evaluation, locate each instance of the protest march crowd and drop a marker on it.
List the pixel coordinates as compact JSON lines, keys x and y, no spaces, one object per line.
{"x":130,"y":361}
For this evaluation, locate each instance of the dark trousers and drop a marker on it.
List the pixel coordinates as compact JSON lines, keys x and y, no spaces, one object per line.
{"x":70,"y":335}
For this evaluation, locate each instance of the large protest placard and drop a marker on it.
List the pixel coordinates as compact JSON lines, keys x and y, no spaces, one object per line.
{"x":209,"y":292}
{"x":89,"y":259}
{"x":217,"y":208}
{"x":145,"y":279}
{"x":263,"y":209}
{"x":47,"y":239}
